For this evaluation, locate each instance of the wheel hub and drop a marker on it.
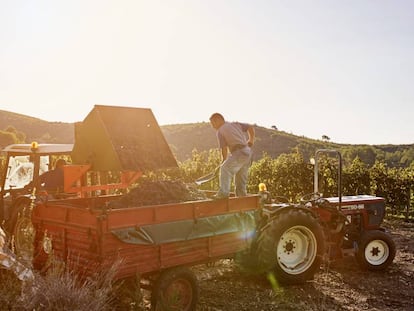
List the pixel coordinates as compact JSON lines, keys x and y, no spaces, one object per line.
{"x":289,"y":247}
{"x":179,"y":295}
{"x":296,"y":250}
{"x":377,"y":252}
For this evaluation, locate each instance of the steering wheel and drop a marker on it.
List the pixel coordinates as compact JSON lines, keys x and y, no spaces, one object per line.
{"x":310,"y":198}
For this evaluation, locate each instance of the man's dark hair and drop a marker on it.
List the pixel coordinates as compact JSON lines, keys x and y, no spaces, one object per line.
{"x":60,"y":162}
{"x":217,"y":116}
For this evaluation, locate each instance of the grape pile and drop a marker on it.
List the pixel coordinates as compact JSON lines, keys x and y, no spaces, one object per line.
{"x":158,"y":192}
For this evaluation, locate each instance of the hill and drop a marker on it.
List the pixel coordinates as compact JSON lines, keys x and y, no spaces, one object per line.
{"x":36,"y":129}
{"x":184,"y":138}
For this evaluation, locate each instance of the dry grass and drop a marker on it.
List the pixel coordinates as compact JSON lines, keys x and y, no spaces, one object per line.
{"x":59,"y":288}
{"x":10,"y":289}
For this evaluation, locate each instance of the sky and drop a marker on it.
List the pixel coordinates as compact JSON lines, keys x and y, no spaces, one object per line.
{"x":344,"y":69}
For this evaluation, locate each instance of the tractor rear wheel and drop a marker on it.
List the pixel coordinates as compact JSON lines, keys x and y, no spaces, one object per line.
{"x":175,"y":289}
{"x":291,"y":246}
{"x":21,"y":231}
{"x":376,"y":250}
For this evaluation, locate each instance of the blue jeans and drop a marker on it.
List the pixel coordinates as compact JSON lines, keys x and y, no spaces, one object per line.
{"x":236,"y":167}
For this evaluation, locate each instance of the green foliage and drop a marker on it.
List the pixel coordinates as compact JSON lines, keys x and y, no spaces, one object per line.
{"x":366,"y":154}
{"x":200,"y":164}
{"x":261,"y":171}
{"x":11,"y":136}
{"x":328,"y":176}
{"x":20,"y":136}
{"x":287,"y":176}
{"x":356,"y":178}
{"x":291,"y":176}
{"x":7,"y":138}
{"x":396,"y":185}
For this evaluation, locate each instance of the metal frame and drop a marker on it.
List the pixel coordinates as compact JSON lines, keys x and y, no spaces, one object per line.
{"x":316,"y":171}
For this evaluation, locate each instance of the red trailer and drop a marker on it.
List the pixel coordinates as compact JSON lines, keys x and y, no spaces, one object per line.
{"x":147,"y":239}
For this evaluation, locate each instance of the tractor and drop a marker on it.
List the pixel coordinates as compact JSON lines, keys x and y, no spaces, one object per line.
{"x":293,"y":239}
{"x":24,"y":163}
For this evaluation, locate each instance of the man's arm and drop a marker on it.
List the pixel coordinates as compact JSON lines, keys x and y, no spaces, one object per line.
{"x":224,"y":152}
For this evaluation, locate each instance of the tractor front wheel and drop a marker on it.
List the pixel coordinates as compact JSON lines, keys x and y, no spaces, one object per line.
{"x":291,"y":246}
{"x":376,"y":250}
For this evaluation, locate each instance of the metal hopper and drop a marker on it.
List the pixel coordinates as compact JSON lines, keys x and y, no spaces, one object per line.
{"x":121,"y":139}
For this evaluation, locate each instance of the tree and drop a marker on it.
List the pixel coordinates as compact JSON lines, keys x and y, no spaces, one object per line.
{"x":261,"y":171}
{"x":286,"y":176}
{"x":325,"y":138}
{"x":200,"y":164}
{"x":7,"y":138}
{"x":356,"y":178}
{"x":20,"y":136}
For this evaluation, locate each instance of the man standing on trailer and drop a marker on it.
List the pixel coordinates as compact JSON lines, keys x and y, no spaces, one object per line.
{"x":236,"y":153}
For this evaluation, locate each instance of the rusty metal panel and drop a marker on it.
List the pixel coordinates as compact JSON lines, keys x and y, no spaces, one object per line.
{"x":228,"y":244}
{"x":244,"y":203}
{"x":77,"y":247}
{"x":186,"y":252}
{"x":143,"y":259}
{"x":211,"y":208}
{"x":121,"y":138}
{"x":129,"y":217}
{"x":233,"y":204}
{"x":145,"y":215}
{"x":66,"y":215}
{"x":134,"y":258}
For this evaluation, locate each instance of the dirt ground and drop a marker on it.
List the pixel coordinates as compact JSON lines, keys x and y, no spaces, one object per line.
{"x":339,"y":285}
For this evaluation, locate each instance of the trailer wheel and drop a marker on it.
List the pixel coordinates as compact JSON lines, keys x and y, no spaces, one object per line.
{"x":21,"y":231}
{"x":376,"y":250}
{"x":291,"y":247}
{"x":175,"y":289}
